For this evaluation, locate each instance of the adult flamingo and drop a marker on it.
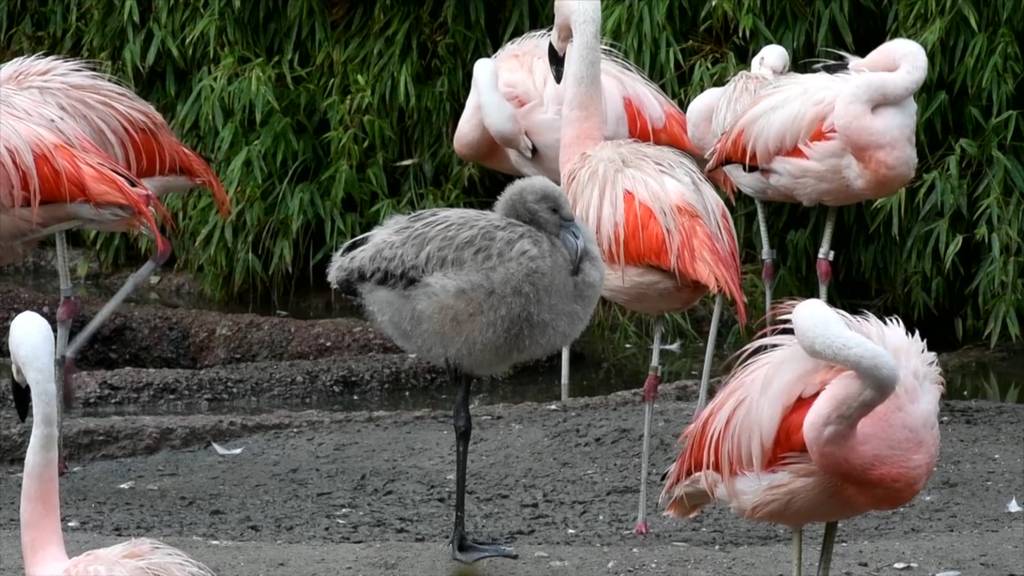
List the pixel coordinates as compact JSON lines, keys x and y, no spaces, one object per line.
{"x":711,"y":114}
{"x":512,"y":118}
{"x":831,"y":139}
{"x":71,"y":98}
{"x":834,"y":420}
{"x":42,"y":543}
{"x":666,"y":236}
{"x":61,"y":102}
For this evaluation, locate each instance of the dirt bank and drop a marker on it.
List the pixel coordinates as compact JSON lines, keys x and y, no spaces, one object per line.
{"x":371,"y":493}
{"x":150,"y":336}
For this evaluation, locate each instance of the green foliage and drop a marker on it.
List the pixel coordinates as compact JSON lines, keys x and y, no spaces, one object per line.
{"x":323,"y":117}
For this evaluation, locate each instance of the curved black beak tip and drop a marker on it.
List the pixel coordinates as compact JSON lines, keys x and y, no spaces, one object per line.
{"x":22,"y":399}
{"x":557,"y":63}
{"x":834,"y":67}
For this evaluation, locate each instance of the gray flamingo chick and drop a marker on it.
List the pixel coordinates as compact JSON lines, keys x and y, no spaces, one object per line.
{"x":477,"y":291}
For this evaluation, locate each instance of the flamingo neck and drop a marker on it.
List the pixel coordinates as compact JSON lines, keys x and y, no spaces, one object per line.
{"x":583,"y":106}
{"x":893,"y":86}
{"x":824,"y":335}
{"x":42,"y":542}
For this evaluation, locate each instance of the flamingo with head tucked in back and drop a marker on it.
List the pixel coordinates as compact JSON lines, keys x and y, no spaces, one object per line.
{"x":42,"y":542}
{"x":512,"y":120}
{"x":666,"y":236}
{"x":712,"y":113}
{"x":830,"y":138}
{"x":81,"y":151}
{"x":836,"y":419}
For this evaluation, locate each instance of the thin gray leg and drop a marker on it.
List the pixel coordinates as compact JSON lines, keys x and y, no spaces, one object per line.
{"x":650,"y":394}
{"x":825,"y":562}
{"x":709,"y":353}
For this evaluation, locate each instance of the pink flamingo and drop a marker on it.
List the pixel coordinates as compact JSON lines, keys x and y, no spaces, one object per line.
{"x":832,"y":139}
{"x":666,"y":237}
{"x":711,"y":114}
{"x":834,"y":420}
{"x":512,"y":118}
{"x":62,"y":102}
{"x":42,"y":542}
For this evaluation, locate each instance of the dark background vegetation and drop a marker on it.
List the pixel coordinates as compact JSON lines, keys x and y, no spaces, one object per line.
{"x":324,"y":116}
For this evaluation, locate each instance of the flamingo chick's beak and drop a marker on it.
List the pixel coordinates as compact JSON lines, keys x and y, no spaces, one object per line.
{"x":572,"y":237}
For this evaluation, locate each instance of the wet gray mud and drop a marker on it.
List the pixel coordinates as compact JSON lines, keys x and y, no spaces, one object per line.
{"x":325,"y":488}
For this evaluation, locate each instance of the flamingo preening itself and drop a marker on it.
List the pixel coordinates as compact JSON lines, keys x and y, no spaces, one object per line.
{"x":712,"y":113}
{"x":477,"y":292}
{"x":512,"y":120}
{"x":81,"y":151}
{"x":837,"y":418}
{"x":830,"y":138}
{"x":665,"y":235}
{"x":42,"y":541}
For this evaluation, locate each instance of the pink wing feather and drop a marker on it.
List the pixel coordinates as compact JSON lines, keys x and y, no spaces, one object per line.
{"x":120,"y":123}
{"x":793,"y":112}
{"x":136,"y":557}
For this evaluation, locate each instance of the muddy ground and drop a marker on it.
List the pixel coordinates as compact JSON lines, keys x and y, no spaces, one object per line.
{"x":370,"y":493}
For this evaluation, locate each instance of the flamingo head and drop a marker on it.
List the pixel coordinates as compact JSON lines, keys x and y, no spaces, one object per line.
{"x":31,"y":345}
{"x":561,"y":35}
{"x":772,"y":60}
{"x":541,"y":204}
{"x":894,"y":55}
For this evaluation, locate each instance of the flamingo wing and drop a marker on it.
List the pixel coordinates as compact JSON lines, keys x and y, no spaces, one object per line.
{"x":651,"y":206}
{"x":120,"y":123}
{"x":649,"y":114}
{"x":784,"y":118}
{"x":39,"y":167}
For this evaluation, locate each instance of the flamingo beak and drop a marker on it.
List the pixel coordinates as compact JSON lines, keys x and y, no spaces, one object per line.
{"x":21,"y":393}
{"x":834,"y":67}
{"x":557,"y":63}
{"x":572,"y":238}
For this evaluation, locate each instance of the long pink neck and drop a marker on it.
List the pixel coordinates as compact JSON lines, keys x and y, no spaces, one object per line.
{"x":42,"y":542}
{"x":582,"y":108}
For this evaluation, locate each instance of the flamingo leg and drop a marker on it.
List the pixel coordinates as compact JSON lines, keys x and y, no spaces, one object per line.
{"x":463,"y":549}
{"x":565,"y":374}
{"x":825,"y":561}
{"x":705,"y":377}
{"x":650,"y":394}
{"x":66,"y":312}
{"x":82,"y":338}
{"x":798,"y":556}
{"x":825,"y":254}
{"x":767,"y":260}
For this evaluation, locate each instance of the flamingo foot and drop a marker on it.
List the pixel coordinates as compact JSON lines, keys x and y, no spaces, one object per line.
{"x":466,"y":551}
{"x":641,"y":528}
{"x":651,"y":387}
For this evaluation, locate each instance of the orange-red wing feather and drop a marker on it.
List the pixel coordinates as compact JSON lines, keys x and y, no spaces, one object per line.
{"x":699,"y":259}
{"x":734,"y":148}
{"x":67,"y":174}
{"x":672,"y":133}
{"x":160,"y":153}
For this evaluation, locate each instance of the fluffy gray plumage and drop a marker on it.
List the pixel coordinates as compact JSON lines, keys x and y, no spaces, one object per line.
{"x":483,"y":290}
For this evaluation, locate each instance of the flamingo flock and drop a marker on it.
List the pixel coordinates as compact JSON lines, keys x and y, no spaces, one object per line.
{"x":825,"y":416}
